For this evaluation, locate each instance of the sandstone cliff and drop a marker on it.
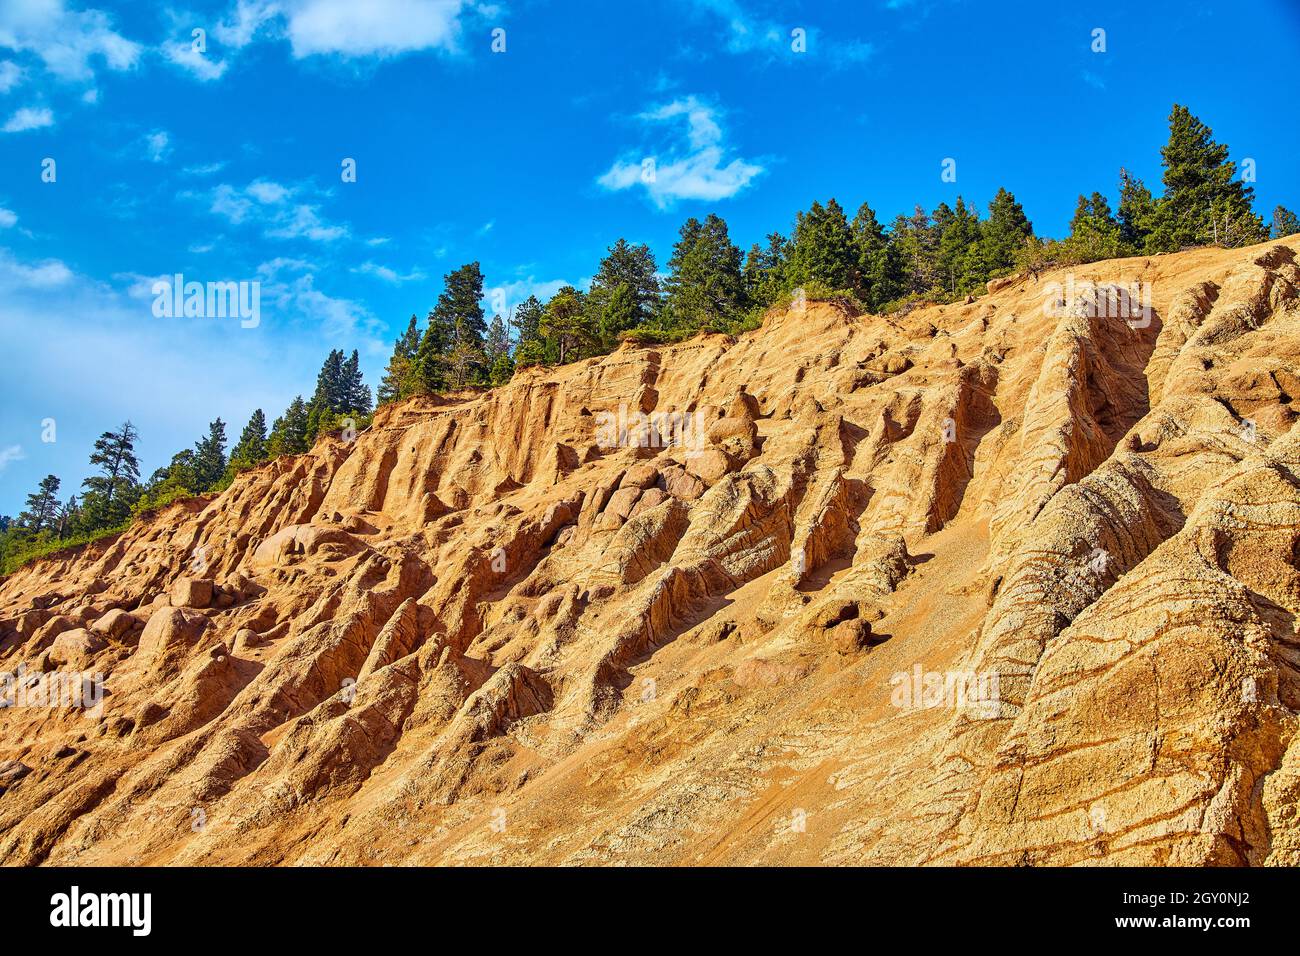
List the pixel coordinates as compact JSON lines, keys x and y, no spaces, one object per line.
{"x":1008,"y":582}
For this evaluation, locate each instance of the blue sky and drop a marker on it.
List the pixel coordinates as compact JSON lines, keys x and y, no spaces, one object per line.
{"x":225,"y":165}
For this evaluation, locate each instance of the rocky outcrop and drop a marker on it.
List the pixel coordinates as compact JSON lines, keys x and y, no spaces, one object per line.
{"x":1010,"y":581}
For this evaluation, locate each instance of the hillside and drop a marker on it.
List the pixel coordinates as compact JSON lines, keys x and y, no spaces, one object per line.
{"x":482,"y":633}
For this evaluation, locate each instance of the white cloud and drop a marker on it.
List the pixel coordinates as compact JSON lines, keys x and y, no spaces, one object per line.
{"x":249,"y":18}
{"x":41,"y":275}
{"x":696,"y":171}
{"x":230,"y":203}
{"x":334,"y":318}
{"x":199,"y":65}
{"x":378,"y":27}
{"x":274,"y":267}
{"x":11,"y":74}
{"x":8,"y":218}
{"x":28,"y":118}
{"x":267,"y":192}
{"x":204,"y":169}
{"x":169,"y":376}
{"x":344,"y":28}
{"x":747,"y":32}
{"x":11,"y":453}
{"x":67,"y":41}
{"x":387,"y":274}
{"x":304,"y":222}
{"x":268,"y":204}
{"x":157,"y":146}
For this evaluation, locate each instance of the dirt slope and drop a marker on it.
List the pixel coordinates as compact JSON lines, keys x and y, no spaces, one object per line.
{"x":1007,"y":582}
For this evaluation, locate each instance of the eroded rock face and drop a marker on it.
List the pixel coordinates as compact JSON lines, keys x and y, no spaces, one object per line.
{"x":1013,"y":581}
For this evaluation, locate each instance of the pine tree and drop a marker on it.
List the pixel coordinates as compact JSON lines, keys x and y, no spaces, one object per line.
{"x":396,"y":383}
{"x":455,"y":326}
{"x":66,"y":518}
{"x":498,"y":340}
{"x":567,"y":323}
{"x":355,"y":393}
{"x":823,"y":250}
{"x":110,"y":494}
{"x":880,"y":267}
{"x":1094,"y":232}
{"x":210,"y":457}
{"x":917,"y":247}
{"x":1004,"y":232}
{"x":1285,"y":222}
{"x":431,"y":358}
{"x":250,"y":450}
{"x":618,"y":314}
{"x":632,"y":267}
{"x":1136,"y":212}
{"x":459,"y":307}
{"x":530,"y":348}
{"x":42,"y":506}
{"x":764,"y":270}
{"x":503,"y":369}
{"x":339,"y":392}
{"x":705,"y":285}
{"x":959,"y":260}
{"x":289,"y":431}
{"x":1202,"y":201}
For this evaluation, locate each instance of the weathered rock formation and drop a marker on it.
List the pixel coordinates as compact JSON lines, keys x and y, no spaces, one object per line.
{"x":1006,"y":582}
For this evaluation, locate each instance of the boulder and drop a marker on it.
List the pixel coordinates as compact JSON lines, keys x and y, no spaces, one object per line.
{"x":30,"y":621}
{"x":680,"y":484}
{"x":11,"y":771}
{"x":618,"y":509}
{"x":649,"y":498}
{"x":300,"y":540}
{"x":641,"y":475}
{"x":115,"y":624}
{"x":742,"y":429}
{"x":191,"y":592}
{"x":245,"y":640}
{"x":743,"y":405}
{"x":75,"y":648}
{"x":53,"y":628}
{"x":708,"y":465}
{"x":170,"y":628}
{"x":850,"y":637}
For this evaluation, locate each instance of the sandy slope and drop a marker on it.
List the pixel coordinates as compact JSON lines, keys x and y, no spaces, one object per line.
{"x":477,"y":634}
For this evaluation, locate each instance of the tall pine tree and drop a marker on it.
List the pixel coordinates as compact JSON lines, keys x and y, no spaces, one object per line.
{"x":1203,"y":202}
{"x":110,"y":494}
{"x":250,"y":450}
{"x":1004,"y":232}
{"x":210,"y":457}
{"x":42,"y":506}
{"x":397,"y":381}
{"x":705,"y":285}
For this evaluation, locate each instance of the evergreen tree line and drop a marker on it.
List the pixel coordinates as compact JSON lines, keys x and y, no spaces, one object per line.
{"x":712,"y":285}
{"x":114,"y":494}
